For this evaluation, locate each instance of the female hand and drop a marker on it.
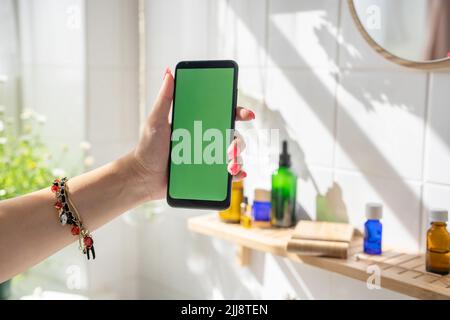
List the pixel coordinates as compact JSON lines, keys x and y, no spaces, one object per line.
{"x":152,"y":152}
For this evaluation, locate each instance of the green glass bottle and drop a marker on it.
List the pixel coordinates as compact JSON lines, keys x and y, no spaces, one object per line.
{"x":284,"y":192}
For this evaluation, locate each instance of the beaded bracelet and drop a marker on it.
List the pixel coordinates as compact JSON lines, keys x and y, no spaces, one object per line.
{"x":68,"y":215}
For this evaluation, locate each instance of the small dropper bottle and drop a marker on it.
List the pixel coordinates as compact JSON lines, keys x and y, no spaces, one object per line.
{"x":373,"y":228}
{"x":438,"y":243}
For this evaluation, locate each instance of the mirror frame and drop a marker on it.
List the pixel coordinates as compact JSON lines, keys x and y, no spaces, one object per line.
{"x":443,"y":63}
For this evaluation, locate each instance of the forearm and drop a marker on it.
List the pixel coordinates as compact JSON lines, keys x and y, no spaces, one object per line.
{"x":30,"y":229}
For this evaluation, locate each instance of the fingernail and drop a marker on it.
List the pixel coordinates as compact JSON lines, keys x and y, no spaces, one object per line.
{"x":233,"y":152}
{"x":167,"y":71}
{"x":234,"y":168}
{"x":252,"y":114}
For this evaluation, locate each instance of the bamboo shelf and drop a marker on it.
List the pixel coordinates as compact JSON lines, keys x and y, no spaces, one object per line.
{"x":401,"y":272}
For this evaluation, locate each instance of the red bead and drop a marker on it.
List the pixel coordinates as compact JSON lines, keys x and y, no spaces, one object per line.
{"x":75,"y":230}
{"x":88,"y":242}
{"x":58,"y":205}
{"x":55,"y":188}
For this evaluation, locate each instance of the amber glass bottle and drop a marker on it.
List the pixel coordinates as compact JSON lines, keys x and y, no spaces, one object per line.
{"x":233,"y":213}
{"x":438,"y":243}
{"x":246,"y":214}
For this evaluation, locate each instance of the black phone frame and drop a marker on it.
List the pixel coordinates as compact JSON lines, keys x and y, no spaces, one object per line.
{"x":203,"y":204}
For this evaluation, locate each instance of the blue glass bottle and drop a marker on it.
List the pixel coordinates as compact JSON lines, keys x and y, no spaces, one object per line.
{"x":373,"y":228}
{"x":261,"y":208}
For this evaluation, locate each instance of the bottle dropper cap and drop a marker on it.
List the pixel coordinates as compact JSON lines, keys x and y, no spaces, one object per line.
{"x":285,"y":157}
{"x":374,"y":211}
{"x":438,"y":215}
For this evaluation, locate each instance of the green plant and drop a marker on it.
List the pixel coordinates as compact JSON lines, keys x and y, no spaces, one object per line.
{"x":24,"y":159}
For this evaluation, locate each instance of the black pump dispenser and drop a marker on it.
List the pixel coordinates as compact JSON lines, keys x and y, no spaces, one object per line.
{"x":285,"y":157}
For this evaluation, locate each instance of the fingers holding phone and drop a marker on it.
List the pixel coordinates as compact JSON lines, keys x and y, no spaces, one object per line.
{"x":235,"y":164}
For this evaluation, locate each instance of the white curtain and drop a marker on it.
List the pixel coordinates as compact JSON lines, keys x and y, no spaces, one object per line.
{"x":9,"y":56}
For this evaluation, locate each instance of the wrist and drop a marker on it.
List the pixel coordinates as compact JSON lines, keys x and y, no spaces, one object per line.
{"x":136,"y":178}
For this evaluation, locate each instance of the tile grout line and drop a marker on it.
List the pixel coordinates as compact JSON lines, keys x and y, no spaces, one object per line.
{"x":336,"y":88}
{"x":235,"y":35}
{"x":341,"y":68}
{"x":426,"y":116}
{"x":121,"y":32}
{"x":371,"y":174}
{"x":142,"y":66}
{"x":436,"y":184}
{"x":266,"y":52}
{"x":266,"y":34}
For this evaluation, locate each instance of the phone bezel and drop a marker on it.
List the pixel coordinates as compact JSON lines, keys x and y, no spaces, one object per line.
{"x":203,"y":204}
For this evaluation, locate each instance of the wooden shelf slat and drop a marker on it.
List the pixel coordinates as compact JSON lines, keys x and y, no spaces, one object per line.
{"x":401,"y":272}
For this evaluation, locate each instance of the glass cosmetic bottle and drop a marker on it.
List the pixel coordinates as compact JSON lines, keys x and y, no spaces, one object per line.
{"x":246,"y":214}
{"x":373,"y":228}
{"x":438,"y":243}
{"x":284,"y":192}
{"x":261,"y":208}
{"x":233,"y":213}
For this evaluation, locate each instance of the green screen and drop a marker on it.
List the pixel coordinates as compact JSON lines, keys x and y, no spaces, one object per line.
{"x":202,"y":118}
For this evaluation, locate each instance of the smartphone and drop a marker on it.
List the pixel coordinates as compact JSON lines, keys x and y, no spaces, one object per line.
{"x":203,"y":116}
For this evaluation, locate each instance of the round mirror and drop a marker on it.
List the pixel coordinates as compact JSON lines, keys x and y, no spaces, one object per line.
{"x":413,"y":33}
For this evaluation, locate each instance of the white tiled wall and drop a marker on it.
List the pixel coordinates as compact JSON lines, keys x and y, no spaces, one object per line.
{"x":308,"y":115}
{"x":361,"y":128}
{"x":437,"y":161}
{"x":302,"y":33}
{"x":380,"y":126}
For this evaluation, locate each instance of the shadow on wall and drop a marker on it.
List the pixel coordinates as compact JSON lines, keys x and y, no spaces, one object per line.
{"x":324,"y":34}
{"x":219,"y":276}
{"x":329,"y":206}
{"x":304,"y":287}
{"x":200,"y":266}
{"x":186,"y":265}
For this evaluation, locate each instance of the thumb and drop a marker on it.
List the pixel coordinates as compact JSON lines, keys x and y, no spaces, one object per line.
{"x":161,"y":108}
